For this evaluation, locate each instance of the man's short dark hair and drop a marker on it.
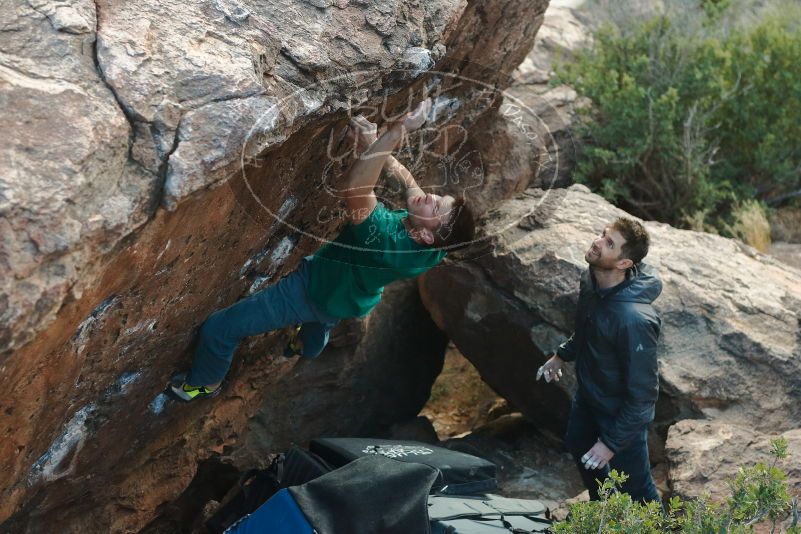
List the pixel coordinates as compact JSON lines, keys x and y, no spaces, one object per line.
{"x":637,"y":239}
{"x":459,"y":231}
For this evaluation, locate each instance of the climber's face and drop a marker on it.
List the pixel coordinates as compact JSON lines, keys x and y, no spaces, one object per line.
{"x":429,"y":211}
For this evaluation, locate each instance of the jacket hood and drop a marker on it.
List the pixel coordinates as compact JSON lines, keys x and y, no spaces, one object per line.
{"x":642,"y":285}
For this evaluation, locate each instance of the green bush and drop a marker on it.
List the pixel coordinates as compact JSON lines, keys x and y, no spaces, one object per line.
{"x":759,"y":495}
{"x":692,"y":114}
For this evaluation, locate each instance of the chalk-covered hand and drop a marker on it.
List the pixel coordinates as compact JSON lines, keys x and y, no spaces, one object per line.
{"x":597,"y":457}
{"x":417,"y":117}
{"x":362,"y":132}
{"x":551,"y":370}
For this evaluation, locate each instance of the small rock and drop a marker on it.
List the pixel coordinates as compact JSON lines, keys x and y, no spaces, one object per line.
{"x":233,"y":10}
{"x":417,"y":59}
{"x":728,"y":348}
{"x":322,"y":4}
{"x":67,"y":19}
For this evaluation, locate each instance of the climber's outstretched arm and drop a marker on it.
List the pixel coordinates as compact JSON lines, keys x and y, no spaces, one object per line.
{"x":363,"y":175}
{"x":399,"y":172}
{"x":361,"y":179}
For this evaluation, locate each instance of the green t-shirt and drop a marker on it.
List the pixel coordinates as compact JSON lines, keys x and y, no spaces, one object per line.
{"x":348,"y":275}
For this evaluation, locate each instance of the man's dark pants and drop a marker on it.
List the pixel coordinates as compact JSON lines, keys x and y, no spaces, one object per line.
{"x":583,"y":431}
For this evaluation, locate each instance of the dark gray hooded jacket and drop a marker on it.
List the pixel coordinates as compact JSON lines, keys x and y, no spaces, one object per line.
{"x":614,"y":347}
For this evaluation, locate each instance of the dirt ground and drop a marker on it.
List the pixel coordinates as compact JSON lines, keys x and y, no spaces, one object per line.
{"x":460,"y":401}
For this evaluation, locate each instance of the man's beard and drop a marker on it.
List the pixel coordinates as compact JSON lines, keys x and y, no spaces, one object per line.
{"x":591,"y":258}
{"x":597,"y":262}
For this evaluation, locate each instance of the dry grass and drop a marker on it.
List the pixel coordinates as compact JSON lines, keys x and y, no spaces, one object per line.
{"x":698,"y":222}
{"x":751,"y":225}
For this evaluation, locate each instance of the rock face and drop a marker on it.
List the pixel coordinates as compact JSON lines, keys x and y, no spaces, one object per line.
{"x":729,"y":349}
{"x":564,"y":31}
{"x":155,"y":102}
{"x":68,"y":191}
{"x":704,"y":455}
{"x":126,"y":221}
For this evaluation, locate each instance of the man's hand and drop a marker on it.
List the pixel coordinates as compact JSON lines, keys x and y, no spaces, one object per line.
{"x":551,"y":370}
{"x":362,"y":133}
{"x":414,"y":119}
{"x":597,"y":457}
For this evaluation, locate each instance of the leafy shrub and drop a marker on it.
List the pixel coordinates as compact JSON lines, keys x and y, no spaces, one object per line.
{"x":692,"y":114}
{"x":759,"y":495}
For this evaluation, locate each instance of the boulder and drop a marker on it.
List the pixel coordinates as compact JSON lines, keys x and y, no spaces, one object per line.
{"x":564,"y":31}
{"x":152,"y":180}
{"x":729,"y":348}
{"x":703,"y":456}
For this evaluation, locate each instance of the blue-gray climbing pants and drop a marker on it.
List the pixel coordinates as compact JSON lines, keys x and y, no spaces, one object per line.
{"x":283,"y":304}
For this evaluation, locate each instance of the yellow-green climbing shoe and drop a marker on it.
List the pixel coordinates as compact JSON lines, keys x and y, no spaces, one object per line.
{"x":182,"y":391}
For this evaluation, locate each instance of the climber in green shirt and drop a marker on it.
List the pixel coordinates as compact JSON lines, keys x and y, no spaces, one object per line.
{"x":346,"y":277}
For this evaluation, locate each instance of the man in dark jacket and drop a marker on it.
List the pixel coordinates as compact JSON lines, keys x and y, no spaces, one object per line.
{"x":614,"y":347}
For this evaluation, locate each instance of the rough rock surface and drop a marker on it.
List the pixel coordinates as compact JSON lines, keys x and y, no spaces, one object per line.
{"x":68,"y":191}
{"x":730,"y":347}
{"x":528,"y":139}
{"x":564,"y":31}
{"x":150,"y":102}
{"x":117,"y":240}
{"x":542,"y":122}
{"x":704,"y":455}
